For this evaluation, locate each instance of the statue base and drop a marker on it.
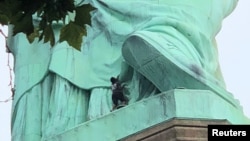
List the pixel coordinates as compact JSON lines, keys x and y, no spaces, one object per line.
{"x":176,"y":130}
{"x":191,"y":105}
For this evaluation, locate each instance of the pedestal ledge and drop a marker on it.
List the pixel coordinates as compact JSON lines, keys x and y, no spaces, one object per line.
{"x":178,"y":103}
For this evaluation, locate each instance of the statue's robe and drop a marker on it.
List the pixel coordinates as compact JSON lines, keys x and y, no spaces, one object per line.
{"x":46,"y":101}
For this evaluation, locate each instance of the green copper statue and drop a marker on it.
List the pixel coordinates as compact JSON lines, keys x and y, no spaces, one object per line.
{"x":152,"y":45}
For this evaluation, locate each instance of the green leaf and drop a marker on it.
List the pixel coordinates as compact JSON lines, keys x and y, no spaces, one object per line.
{"x":83,"y":14}
{"x":4,"y":20}
{"x":33,"y":35}
{"x":66,"y":5}
{"x":73,"y":34}
{"x":22,"y":23}
{"x":4,"y":13}
{"x":49,"y":35}
{"x":15,"y":6}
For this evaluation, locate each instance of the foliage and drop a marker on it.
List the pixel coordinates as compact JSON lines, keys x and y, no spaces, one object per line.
{"x":20,"y":13}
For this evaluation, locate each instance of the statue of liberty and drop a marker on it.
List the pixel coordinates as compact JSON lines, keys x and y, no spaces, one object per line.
{"x":152,"y":45}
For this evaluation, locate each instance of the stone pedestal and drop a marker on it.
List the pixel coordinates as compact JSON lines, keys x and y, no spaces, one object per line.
{"x":176,"y":130}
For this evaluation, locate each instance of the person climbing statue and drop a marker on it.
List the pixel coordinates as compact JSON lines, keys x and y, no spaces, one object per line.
{"x":117,"y":94}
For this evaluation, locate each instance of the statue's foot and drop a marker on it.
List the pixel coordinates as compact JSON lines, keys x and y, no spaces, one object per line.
{"x":161,"y":70}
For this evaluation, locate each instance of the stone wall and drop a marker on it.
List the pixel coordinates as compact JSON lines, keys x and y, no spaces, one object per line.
{"x":176,"y":130}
